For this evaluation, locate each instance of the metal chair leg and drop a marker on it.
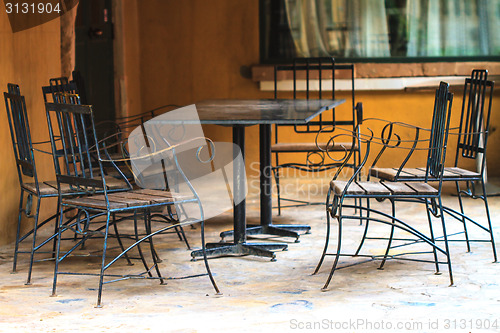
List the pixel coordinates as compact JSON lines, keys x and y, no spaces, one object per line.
{"x":18,"y":232}
{"x":429,"y":218}
{"x":33,"y":245}
{"x":446,"y":241}
{"x":205,"y":259}
{"x":147,"y":222}
{"x":103,"y":262}
{"x":460,"y":203}
{"x":58,"y":250}
{"x":337,"y":255}
{"x":367,"y":224}
{"x":120,"y":243}
{"x":485,"y":199}
{"x":139,"y":249}
{"x":328,"y":227}
{"x":389,"y":242}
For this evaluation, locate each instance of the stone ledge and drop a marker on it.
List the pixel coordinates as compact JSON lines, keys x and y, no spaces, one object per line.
{"x":387,"y":70}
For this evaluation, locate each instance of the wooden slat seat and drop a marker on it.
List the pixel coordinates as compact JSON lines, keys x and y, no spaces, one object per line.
{"x":46,"y":189}
{"x":294,"y":147}
{"x":114,"y":183}
{"x":166,"y":194}
{"x":121,"y":200}
{"x":419,"y":173}
{"x":400,"y":188}
{"x":92,"y":202}
{"x":383,"y":189}
{"x":111,"y":183}
{"x":423,"y":188}
{"x":391,"y":173}
{"x":463,"y":173}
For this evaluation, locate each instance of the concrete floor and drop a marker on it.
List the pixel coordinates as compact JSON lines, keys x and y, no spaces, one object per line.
{"x":260,"y":295}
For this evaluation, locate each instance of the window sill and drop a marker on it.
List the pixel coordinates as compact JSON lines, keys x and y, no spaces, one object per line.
{"x":391,"y":76}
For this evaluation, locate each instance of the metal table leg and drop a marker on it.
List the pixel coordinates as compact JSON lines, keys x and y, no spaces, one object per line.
{"x":240,"y":246}
{"x":266,"y":215}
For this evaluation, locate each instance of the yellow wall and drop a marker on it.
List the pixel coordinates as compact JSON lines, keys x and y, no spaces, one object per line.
{"x":28,"y":58}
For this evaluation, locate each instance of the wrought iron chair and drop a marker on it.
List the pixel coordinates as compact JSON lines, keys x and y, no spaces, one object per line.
{"x":31,"y":186}
{"x":112,"y":133}
{"x":305,"y":72}
{"x":418,"y":192}
{"x":60,"y":85}
{"x":472,"y":141}
{"x":73,"y":140}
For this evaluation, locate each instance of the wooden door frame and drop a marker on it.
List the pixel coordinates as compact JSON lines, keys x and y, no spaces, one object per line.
{"x":126,"y":54}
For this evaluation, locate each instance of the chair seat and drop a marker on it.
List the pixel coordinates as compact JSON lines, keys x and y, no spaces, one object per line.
{"x":419,"y":173}
{"x":46,"y":188}
{"x":299,"y":147}
{"x":49,"y":188}
{"x":111,"y":183}
{"x":121,"y":200}
{"x":385,"y":189}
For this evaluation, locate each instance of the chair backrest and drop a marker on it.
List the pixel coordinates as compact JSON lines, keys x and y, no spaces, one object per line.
{"x":311,"y":76}
{"x":20,"y":132}
{"x":475,"y":119}
{"x":58,"y":85}
{"x":307,"y":71}
{"x":439,"y":132}
{"x":74,"y":141}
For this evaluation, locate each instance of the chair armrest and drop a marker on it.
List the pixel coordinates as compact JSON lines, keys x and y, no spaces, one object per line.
{"x":406,"y":139}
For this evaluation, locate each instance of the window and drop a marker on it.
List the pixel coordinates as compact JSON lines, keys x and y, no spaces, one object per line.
{"x":380,"y":31}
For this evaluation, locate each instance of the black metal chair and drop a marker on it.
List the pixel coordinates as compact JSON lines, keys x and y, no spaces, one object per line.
{"x":31,"y":186}
{"x":472,"y":139}
{"x":112,"y":133}
{"x":418,"y":192}
{"x":60,"y":85}
{"x":305,"y":72}
{"x":74,"y":141}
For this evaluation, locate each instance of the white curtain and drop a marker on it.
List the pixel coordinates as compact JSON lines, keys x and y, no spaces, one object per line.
{"x":338,"y":27}
{"x":305,"y":26}
{"x":367,"y":26}
{"x":490,"y":32}
{"x":359,"y":28}
{"x":453,"y":27}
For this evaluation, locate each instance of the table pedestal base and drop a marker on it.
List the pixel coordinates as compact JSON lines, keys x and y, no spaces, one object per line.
{"x":281,"y":230}
{"x":256,"y":249}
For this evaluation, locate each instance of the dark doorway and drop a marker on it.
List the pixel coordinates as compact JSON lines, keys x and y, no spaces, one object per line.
{"x":94,"y":55}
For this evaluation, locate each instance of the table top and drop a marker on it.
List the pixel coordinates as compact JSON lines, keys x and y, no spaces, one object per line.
{"x":262,"y":111}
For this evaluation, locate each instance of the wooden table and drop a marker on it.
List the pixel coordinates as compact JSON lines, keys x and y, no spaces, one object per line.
{"x":263,"y":112}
